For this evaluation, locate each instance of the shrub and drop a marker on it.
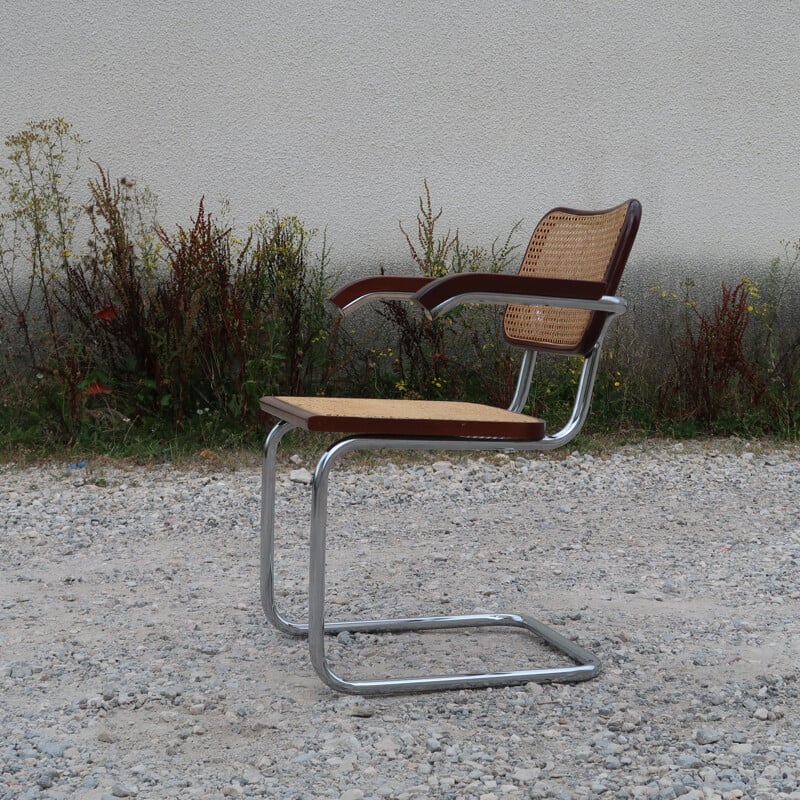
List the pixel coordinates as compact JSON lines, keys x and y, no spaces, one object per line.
{"x":38,"y":221}
{"x":197,"y":321}
{"x":711,"y":367}
{"x":144,"y":325}
{"x":733,"y":370}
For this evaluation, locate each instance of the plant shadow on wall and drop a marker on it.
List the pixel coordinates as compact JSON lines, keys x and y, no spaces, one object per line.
{"x":120,"y":335}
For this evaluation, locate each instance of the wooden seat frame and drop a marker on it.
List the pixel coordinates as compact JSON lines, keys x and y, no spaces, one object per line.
{"x":542,"y":295}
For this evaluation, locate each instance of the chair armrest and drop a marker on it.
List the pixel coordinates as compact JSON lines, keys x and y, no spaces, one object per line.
{"x":497,"y":288}
{"x":386,"y":287}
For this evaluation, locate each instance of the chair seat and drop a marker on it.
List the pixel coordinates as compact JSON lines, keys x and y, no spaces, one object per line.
{"x":403,"y":417}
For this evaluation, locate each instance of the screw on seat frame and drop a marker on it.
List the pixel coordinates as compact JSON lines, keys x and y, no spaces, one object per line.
{"x":562,"y":301}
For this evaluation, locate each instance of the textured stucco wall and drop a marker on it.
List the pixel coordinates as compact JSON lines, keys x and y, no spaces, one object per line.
{"x":337,"y":110}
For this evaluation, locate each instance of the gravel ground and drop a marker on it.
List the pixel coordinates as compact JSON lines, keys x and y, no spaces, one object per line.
{"x":135,"y":661}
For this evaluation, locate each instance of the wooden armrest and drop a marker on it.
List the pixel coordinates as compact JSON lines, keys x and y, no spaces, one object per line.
{"x":388,"y":287}
{"x":432,"y":296}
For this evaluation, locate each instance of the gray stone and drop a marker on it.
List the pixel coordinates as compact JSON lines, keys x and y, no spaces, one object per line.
{"x":707,"y":736}
{"x":52,"y":747}
{"x":301,"y":475}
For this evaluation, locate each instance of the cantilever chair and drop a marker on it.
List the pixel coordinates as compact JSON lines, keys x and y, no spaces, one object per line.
{"x":561,"y":301}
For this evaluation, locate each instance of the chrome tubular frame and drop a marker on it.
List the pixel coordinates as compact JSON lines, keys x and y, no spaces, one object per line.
{"x":608,"y":304}
{"x":586,"y":665}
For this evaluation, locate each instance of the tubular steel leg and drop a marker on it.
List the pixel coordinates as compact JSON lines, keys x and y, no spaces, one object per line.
{"x":268,"y":481}
{"x":586,"y":665}
{"x":267,"y":561}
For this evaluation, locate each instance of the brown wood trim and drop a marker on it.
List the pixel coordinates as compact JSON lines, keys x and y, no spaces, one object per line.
{"x":532,"y":430}
{"x":376,"y":284}
{"x":500,"y":283}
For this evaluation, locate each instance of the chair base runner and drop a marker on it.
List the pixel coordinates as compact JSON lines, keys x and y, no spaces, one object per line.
{"x":586,"y":665}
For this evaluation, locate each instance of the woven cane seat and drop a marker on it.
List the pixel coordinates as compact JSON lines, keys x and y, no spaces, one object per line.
{"x":403,"y":417}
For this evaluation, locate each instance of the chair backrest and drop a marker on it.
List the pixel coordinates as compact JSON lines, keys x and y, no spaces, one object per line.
{"x":576,"y":245}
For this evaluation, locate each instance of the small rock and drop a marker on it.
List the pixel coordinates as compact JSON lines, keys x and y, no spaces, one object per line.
{"x":52,"y":748}
{"x":433,"y":745}
{"x":301,"y":475}
{"x":707,"y":736}
{"x":46,"y":780}
{"x":387,"y":744}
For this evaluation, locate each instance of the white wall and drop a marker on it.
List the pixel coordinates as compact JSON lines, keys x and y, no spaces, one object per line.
{"x":337,"y":110}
